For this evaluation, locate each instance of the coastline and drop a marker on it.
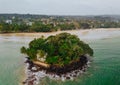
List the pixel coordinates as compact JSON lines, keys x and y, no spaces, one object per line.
{"x":23,"y":72}
{"x":56,"y":32}
{"x":84,"y":34}
{"x":37,"y":72}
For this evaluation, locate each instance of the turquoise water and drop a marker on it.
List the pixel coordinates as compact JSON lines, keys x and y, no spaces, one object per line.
{"x":11,"y":63}
{"x":104,"y":70}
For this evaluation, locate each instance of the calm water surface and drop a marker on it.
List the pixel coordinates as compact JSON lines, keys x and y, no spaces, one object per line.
{"x":11,"y":63}
{"x":104,"y":70}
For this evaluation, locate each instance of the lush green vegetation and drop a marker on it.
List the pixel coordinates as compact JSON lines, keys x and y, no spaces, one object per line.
{"x":61,"y":49}
{"x":39,"y":23}
{"x":36,"y":27}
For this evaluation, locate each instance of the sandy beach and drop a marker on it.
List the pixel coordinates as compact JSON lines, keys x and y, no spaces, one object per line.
{"x":88,"y":34}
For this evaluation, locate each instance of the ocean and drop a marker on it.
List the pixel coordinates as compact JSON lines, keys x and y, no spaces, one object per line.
{"x":104,"y":69}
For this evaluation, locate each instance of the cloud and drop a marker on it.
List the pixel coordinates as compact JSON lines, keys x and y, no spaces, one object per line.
{"x":61,"y":7}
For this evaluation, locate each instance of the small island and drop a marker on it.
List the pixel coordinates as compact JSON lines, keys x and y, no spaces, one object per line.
{"x":57,"y":55}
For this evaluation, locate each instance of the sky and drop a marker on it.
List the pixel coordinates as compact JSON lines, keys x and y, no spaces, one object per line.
{"x":61,"y":7}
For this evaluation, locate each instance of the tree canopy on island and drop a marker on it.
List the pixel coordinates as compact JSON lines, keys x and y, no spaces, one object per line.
{"x":60,"y":50}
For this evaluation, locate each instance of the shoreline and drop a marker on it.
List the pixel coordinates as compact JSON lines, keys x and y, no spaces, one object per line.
{"x":110,"y":29}
{"x":22,"y":78}
{"x":69,"y":72}
{"x":83,"y":34}
{"x":56,"y":32}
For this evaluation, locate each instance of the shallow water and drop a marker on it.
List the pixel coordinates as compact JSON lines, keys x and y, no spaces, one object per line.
{"x":104,"y":70}
{"x":11,"y":63}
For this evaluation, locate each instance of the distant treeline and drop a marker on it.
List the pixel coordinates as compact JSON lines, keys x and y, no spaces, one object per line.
{"x":6,"y":28}
{"x":44,"y":23}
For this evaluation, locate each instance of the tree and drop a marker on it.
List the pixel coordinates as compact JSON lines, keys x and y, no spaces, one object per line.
{"x":23,"y":50}
{"x":85,"y":25}
{"x":5,"y":28}
{"x":61,"y":49}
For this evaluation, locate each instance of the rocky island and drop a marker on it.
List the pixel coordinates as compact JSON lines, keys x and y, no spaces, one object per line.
{"x":63,"y":56}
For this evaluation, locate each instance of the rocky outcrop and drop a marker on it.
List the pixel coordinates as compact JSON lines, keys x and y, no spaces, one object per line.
{"x":66,"y":72}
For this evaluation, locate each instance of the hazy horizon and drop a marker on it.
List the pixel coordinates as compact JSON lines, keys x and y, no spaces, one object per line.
{"x":59,"y":7}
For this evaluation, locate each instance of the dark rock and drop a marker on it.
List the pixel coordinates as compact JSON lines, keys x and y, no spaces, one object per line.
{"x":74,"y":75}
{"x":53,"y":69}
{"x":24,"y":82}
{"x":67,"y":77}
